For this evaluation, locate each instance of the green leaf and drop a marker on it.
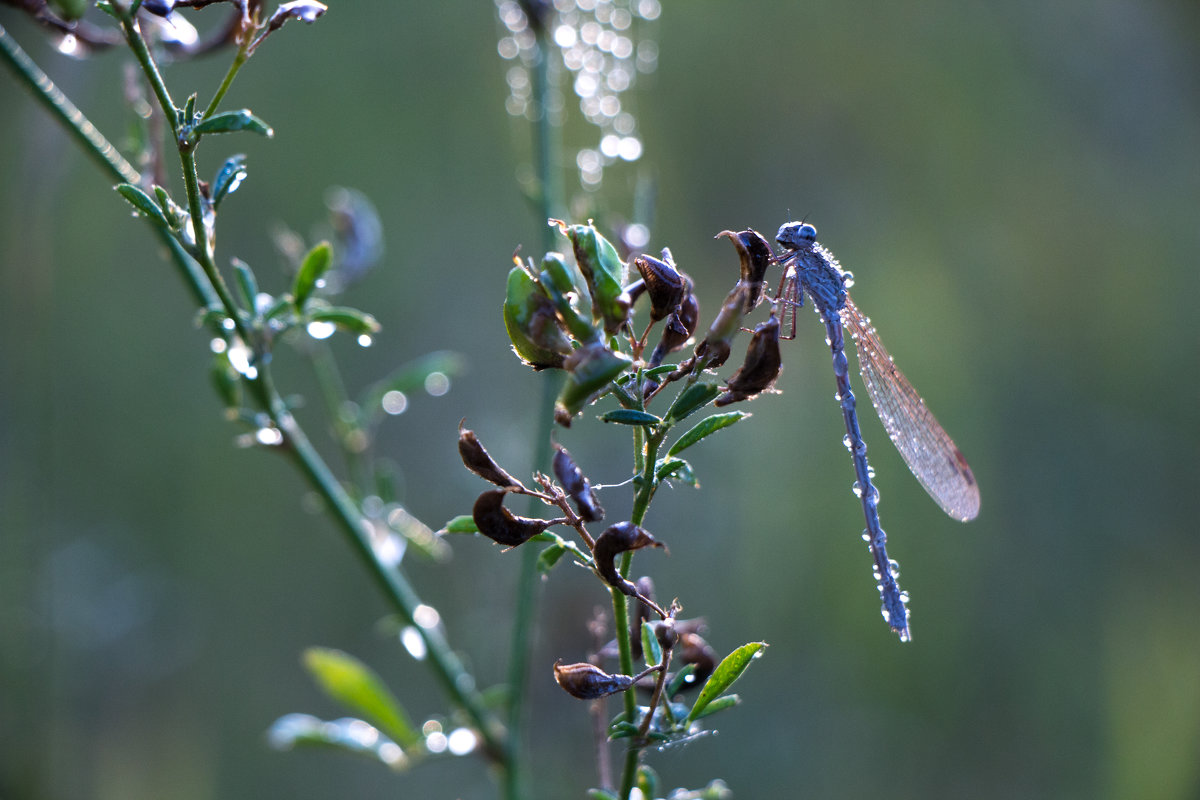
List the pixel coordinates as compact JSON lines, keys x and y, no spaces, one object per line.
{"x":705,"y":427}
{"x":278,"y":307}
{"x":228,"y":178}
{"x":651,"y":650}
{"x":629,"y":416}
{"x":350,"y":319}
{"x":549,"y":557}
{"x":312,"y":267}
{"x":720,"y":704}
{"x":247,"y":283}
{"x":728,"y":671}
{"x":232,"y":121}
{"x":463,"y":523}
{"x":143,"y":203}
{"x":692,"y":399}
{"x":647,"y":782}
{"x":356,"y":686}
{"x":676,"y":468}
{"x":680,"y":679}
{"x":601,"y":794}
{"x":304,"y":730}
{"x":662,"y":369}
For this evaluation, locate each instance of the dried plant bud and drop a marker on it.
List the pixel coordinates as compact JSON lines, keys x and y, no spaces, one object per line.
{"x":501,"y":525}
{"x":476,"y":459}
{"x":756,"y":256}
{"x":576,"y":485}
{"x":679,"y":327}
{"x":761,"y":367}
{"x":617,"y":539}
{"x":692,"y":649}
{"x":663,"y":283}
{"x":587,"y":681}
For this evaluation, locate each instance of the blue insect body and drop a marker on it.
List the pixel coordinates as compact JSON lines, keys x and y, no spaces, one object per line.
{"x":926,"y":448}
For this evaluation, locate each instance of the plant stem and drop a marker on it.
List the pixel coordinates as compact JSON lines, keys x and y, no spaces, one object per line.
{"x":209,"y":288}
{"x":238,"y":60}
{"x":452,"y":676}
{"x":102,"y":152}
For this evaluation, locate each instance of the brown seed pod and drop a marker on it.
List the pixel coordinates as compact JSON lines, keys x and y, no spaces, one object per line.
{"x":476,"y":459}
{"x":692,"y":649}
{"x":617,"y":539}
{"x":587,"y":681}
{"x":761,"y":367}
{"x":663,"y":283}
{"x":576,"y":485}
{"x":501,"y":525}
{"x":756,"y":256}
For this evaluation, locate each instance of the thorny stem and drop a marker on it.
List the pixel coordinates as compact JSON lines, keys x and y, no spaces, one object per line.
{"x":207,"y":288}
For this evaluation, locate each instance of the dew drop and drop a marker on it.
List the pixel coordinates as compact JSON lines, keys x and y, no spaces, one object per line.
{"x":394,"y":402}
{"x":365,"y":340}
{"x":413,"y":643}
{"x":437,"y":384}
{"x":426,"y":616}
{"x":462,"y":741}
{"x":320,"y":329}
{"x":269,"y":436}
{"x":857,"y":489}
{"x":436,"y":742}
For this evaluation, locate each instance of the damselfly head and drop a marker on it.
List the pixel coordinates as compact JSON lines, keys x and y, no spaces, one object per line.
{"x":796,"y":235}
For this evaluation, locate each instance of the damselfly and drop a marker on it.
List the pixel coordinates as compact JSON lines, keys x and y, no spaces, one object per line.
{"x":929,"y":452}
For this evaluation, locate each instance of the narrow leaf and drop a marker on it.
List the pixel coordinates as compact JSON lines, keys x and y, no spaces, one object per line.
{"x":728,"y":671}
{"x":232,"y":121}
{"x":312,"y":268}
{"x":601,"y":794}
{"x":629,"y":416}
{"x":247,"y":283}
{"x":228,"y":178}
{"x":348,"y":735}
{"x":706,"y":426}
{"x":681,"y":679}
{"x":692,"y":399}
{"x":720,"y":704}
{"x":651,"y":650}
{"x":463,"y":523}
{"x":143,"y":203}
{"x":350,"y":319}
{"x":549,"y":557}
{"x":355,"y":685}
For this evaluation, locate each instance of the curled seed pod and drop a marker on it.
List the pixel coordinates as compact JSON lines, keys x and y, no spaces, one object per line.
{"x":501,"y":525}
{"x":756,"y":256}
{"x":663,"y":282}
{"x":679,"y":327}
{"x":761,"y":367}
{"x":617,"y":539}
{"x":537,"y":334}
{"x":587,"y":681}
{"x":692,"y":649}
{"x":604,"y":271}
{"x":576,"y":485}
{"x":476,"y":459}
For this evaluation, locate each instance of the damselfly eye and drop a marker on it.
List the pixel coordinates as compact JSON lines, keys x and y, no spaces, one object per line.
{"x":794,"y":235}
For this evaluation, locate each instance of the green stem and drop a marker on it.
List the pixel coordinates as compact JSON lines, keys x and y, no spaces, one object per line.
{"x":206,"y":284}
{"x":102,"y":152}
{"x":546,"y":160}
{"x":448,"y":669}
{"x":238,"y":60}
{"x":646,"y":447}
{"x":137,"y":43}
{"x":57,"y":103}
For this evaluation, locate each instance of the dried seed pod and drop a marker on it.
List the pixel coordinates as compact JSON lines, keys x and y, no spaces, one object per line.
{"x":476,"y":459}
{"x":587,"y":681}
{"x":576,"y":485}
{"x":645,"y":590}
{"x":617,"y":539}
{"x":663,"y":282}
{"x":714,"y":350}
{"x":756,"y":256}
{"x":761,"y":367}
{"x":501,"y":525}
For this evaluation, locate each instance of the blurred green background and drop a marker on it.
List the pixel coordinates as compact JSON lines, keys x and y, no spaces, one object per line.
{"x":1017,"y":189}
